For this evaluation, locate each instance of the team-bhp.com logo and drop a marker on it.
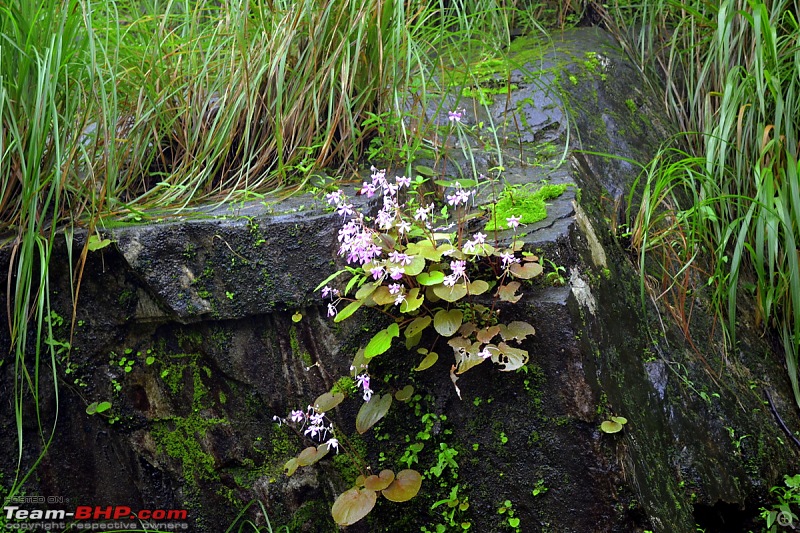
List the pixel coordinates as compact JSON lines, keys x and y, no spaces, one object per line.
{"x":86,"y":517}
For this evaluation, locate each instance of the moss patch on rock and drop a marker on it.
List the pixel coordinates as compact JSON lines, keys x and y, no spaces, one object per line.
{"x":529,"y":206}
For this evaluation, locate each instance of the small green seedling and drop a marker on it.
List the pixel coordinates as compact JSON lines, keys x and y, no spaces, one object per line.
{"x":614,"y":425}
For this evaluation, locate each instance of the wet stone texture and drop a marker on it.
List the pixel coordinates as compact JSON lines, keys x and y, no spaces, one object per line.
{"x":185,"y":326}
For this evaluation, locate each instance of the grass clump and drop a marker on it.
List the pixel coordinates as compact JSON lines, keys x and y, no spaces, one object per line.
{"x":729,"y":186}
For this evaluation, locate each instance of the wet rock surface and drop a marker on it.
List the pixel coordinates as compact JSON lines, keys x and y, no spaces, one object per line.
{"x":185,"y":326}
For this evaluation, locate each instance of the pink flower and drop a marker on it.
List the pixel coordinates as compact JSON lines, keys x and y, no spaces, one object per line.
{"x":459,"y":268}
{"x":395,"y":288}
{"x":513,"y":222}
{"x":508,"y":259}
{"x":331,"y":310}
{"x":297,"y":415}
{"x":377,"y":272}
{"x":396,"y":273}
{"x":454,"y":116}
{"x":369,"y":189}
{"x":400,"y":258}
{"x":403,"y":182}
{"x":362,"y":380}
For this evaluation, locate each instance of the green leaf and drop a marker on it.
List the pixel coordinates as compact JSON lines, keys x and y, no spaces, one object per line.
{"x":412,"y":302}
{"x":416,"y":267}
{"x":359,"y":361}
{"x":291,"y":466}
{"x":352,"y":283}
{"x":366,"y":289}
{"x":509,"y":358}
{"x":508,"y":293}
{"x":428,"y":362}
{"x":351,"y":308}
{"x":382,"y":341}
{"x":91,"y":408}
{"x":425,"y":171}
{"x":379,"y":482}
{"x":307,"y":456}
{"x":405,"y":486}
{"x":330,"y":278}
{"x":372,"y":411}
{"x":382,"y":296}
{"x":446,"y":323}
{"x":611,"y":427}
{"x":426,"y":249}
{"x":621,"y":420}
{"x":297,"y":317}
{"x":516,"y":330}
{"x":450,"y":294}
{"x":328,"y":401}
{"x":478,"y":287}
{"x":403,"y":395}
{"x":526,"y":271}
{"x":102,"y":407}
{"x":513,"y":521}
{"x":430,"y":278}
{"x":96,"y":243}
{"x":353,"y":505}
{"x":466,"y":353}
{"x":417,"y":326}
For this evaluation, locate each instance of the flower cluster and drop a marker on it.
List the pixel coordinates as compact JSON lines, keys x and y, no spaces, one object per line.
{"x":313,"y":424}
{"x":362,"y":380}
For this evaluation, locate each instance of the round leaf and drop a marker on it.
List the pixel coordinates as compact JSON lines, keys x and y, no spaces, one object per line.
{"x":446,"y":323}
{"x":417,"y":326}
{"x":403,"y":395}
{"x":103,"y":406}
{"x":620,"y":420}
{"x":416,"y":267}
{"x":405,"y":486}
{"x":353,"y":505}
{"x":307,"y":456}
{"x":382,"y":296}
{"x":450,"y":294}
{"x":365,"y":290}
{"x":611,"y":427}
{"x":430,"y":278}
{"x":516,"y":330}
{"x":297,"y":317}
{"x":428,"y":362}
{"x":527,"y":270}
{"x":328,"y":401}
{"x":379,"y":482}
{"x":478,"y":287}
{"x":372,"y":411}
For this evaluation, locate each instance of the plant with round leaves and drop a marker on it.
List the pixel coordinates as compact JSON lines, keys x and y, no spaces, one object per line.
{"x":419,"y":265}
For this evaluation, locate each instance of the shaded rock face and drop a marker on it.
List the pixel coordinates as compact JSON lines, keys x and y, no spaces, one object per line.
{"x":186,"y":328}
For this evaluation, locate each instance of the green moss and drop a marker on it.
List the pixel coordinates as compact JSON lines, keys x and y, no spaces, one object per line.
{"x":519,"y":202}
{"x":297,"y":350}
{"x":180,"y":439}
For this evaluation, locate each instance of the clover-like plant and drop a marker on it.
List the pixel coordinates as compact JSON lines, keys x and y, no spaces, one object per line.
{"x":418,"y":264}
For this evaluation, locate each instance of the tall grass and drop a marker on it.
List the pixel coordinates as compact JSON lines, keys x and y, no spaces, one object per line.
{"x":732,"y":74}
{"x":108,"y":109}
